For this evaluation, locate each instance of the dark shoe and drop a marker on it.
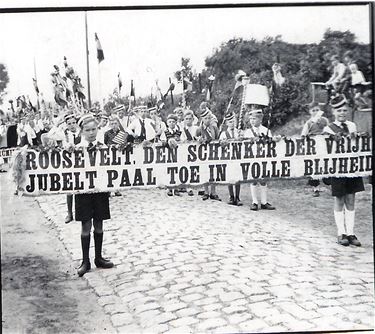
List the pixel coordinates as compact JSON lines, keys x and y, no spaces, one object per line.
{"x":182,"y":190}
{"x":200,"y":192}
{"x":238,"y":202}
{"x":190,"y":193}
{"x":68,"y":218}
{"x":205,"y":197}
{"x":117,"y":193}
{"x":353,"y":240}
{"x":254,"y":207}
{"x":84,"y":268}
{"x":316,"y":193}
{"x":170,"y":192}
{"x":215,"y":197}
{"x":231,"y":201}
{"x":177,"y":192}
{"x":103,"y":263}
{"x":267,"y":206}
{"x":343,"y":240}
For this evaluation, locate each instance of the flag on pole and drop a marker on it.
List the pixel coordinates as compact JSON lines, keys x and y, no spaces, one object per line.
{"x":36,"y":86}
{"x":132,"y":94}
{"x":210,"y":82}
{"x":99,"y":50}
{"x":119,"y":82}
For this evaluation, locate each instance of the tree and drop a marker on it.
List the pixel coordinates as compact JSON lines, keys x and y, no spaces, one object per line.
{"x":4,"y":79}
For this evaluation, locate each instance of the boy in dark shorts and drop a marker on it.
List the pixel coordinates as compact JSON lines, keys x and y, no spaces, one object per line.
{"x":344,"y":188}
{"x":91,"y":208}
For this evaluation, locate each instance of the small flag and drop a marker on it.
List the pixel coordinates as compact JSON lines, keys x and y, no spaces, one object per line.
{"x":36,"y":86}
{"x":132,"y":94}
{"x":99,"y":50}
{"x":119,"y":82}
{"x":120,"y":138}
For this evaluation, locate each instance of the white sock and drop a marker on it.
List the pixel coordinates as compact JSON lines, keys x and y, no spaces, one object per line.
{"x":263,"y":194}
{"x":339,"y":219}
{"x":253,"y":188}
{"x":349,"y":221}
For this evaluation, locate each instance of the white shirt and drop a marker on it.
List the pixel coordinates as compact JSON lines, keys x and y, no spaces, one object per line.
{"x":85,"y":143}
{"x":358,"y":78}
{"x":223,"y":134}
{"x":134,"y":128}
{"x":101,"y":132}
{"x":192,"y":130}
{"x":69,"y":136}
{"x":351,"y":127}
{"x":338,"y":73}
{"x":260,"y":130}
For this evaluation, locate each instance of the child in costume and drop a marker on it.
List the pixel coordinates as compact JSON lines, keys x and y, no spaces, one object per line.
{"x":344,"y":188}
{"x":91,"y":208}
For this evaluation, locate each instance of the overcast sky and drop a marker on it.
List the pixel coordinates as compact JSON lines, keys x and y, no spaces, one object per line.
{"x":148,"y":44}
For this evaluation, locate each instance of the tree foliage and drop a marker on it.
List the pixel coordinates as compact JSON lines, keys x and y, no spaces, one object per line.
{"x":4,"y":80}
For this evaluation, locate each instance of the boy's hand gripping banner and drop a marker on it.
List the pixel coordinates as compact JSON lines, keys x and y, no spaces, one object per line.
{"x":108,"y":168}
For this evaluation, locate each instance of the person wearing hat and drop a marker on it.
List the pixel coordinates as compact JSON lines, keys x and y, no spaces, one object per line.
{"x":206,"y":133}
{"x":256,"y":130}
{"x":91,"y":208}
{"x":344,"y":188}
{"x":203,"y":107}
{"x":72,"y":138}
{"x":142,"y":128}
{"x":231,"y":133}
{"x":314,"y":126}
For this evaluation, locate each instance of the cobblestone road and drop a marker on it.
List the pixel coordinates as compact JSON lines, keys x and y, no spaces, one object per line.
{"x":188,"y":266}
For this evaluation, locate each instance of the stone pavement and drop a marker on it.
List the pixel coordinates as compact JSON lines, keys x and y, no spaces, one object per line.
{"x":184,"y":265}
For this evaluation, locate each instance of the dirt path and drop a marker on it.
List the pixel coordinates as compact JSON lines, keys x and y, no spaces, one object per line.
{"x":40,"y":291}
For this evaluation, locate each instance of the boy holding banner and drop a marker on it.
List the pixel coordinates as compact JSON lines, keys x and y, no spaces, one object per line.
{"x":314,"y":126}
{"x":72,"y":138}
{"x":344,"y":188}
{"x":208,"y":132}
{"x":91,"y":208}
{"x":256,"y":130}
{"x":231,"y":133}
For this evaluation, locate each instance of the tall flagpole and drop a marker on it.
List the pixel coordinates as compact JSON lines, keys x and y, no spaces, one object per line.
{"x":87,"y":63}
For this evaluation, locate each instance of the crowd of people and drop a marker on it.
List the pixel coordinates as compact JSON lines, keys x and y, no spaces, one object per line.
{"x":144,"y":125}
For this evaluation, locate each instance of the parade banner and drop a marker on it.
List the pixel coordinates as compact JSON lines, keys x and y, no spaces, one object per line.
{"x":193,"y":164}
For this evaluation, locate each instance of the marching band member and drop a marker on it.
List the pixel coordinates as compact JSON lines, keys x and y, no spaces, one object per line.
{"x":72,"y":138}
{"x":203,"y":107}
{"x":91,"y":208}
{"x":231,"y":133}
{"x":256,"y":130}
{"x":207,"y":132}
{"x":344,"y":188}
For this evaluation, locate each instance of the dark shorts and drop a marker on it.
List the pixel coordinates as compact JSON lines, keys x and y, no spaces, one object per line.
{"x":92,"y":206}
{"x":342,"y":186}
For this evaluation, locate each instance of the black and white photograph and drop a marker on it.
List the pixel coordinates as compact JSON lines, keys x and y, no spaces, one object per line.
{"x":186,"y":167}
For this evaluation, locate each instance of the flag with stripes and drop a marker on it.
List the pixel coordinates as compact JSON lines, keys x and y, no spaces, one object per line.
{"x":120,"y":138}
{"x":99,"y":49}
